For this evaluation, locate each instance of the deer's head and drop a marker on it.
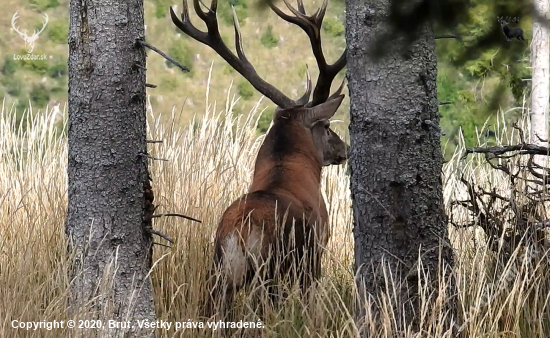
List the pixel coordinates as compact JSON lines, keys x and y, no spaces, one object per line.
{"x":502,"y":21}
{"x":314,"y":123}
{"x":505,"y":21}
{"x":312,"y":116}
{"x":29,"y":40}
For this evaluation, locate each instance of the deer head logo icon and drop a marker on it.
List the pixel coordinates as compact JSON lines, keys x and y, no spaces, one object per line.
{"x":29,"y":40}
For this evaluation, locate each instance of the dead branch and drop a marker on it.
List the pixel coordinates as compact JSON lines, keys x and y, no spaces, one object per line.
{"x":160,"y":244}
{"x":177,"y":215}
{"x":447,"y":36}
{"x":160,"y":234}
{"x":504,"y":218}
{"x":161,"y":53}
{"x":522,"y":148}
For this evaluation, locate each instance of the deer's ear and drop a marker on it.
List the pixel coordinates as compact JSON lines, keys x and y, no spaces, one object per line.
{"x":323,"y":111}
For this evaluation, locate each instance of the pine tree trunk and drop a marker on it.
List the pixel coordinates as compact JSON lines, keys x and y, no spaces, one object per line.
{"x":107,"y":172}
{"x":540,"y":49}
{"x":395,"y":160}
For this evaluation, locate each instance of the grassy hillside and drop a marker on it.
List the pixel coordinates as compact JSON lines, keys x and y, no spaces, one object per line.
{"x":278,"y":50}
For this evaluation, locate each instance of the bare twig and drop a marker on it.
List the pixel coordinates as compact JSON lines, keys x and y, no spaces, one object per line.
{"x":148,"y":85}
{"x":441,"y":103}
{"x":541,"y":139}
{"x":160,"y":234}
{"x":160,"y":244}
{"x":520,"y":131}
{"x":161,"y":53}
{"x":177,"y":215}
{"x":447,"y":36}
{"x":139,"y":65}
{"x":154,"y":141}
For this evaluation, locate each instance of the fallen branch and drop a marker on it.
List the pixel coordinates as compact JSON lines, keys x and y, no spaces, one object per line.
{"x":523,"y":149}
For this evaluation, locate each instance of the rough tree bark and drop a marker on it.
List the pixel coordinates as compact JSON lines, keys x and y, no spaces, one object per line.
{"x":108,"y":176}
{"x":395,"y":159}
{"x":540,"y":49}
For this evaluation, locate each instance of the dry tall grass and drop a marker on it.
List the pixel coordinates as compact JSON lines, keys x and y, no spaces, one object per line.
{"x":210,"y":164}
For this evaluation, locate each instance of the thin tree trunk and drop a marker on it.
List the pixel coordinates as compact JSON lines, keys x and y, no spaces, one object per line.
{"x":107,"y":172}
{"x":395,"y":162}
{"x":540,"y":49}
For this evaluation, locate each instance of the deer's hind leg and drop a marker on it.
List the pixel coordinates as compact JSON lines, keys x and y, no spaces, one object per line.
{"x":231,"y":272}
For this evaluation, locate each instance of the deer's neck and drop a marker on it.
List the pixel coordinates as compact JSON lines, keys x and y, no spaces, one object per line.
{"x":288,"y":161}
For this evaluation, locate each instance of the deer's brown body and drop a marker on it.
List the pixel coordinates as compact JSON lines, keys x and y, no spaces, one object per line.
{"x":281,"y":224}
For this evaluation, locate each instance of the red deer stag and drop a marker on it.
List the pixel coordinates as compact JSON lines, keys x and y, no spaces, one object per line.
{"x":283,"y":217}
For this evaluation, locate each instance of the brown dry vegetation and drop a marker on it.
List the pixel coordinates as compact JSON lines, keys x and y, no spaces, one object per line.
{"x":210,"y":164}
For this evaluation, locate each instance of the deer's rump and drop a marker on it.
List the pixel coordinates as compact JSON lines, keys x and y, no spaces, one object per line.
{"x":256,"y":229}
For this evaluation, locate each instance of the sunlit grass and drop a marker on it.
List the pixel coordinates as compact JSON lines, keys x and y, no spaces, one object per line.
{"x":209,"y":165}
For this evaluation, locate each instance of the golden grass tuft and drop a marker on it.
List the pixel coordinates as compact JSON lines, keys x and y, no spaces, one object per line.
{"x":210,"y":164}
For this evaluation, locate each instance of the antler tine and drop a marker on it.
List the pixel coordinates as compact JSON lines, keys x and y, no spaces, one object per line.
{"x":239,"y":62}
{"x":300,"y":6}
{"x":238,"y":39}
{"x":294,"y":10}
{"x":311,"y":25}
{"x":305,"y":98}
{"x":200,"y":13}
{"x":214,"y":6}
{"x":338,"y":91}
{"x":186,"y":26}
{"x":320,"y":13}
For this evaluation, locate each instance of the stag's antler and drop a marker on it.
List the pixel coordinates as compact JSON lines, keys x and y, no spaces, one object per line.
{"x":13,"y":23}
{"x":312,"y":26}
{"x":213,"y":39}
